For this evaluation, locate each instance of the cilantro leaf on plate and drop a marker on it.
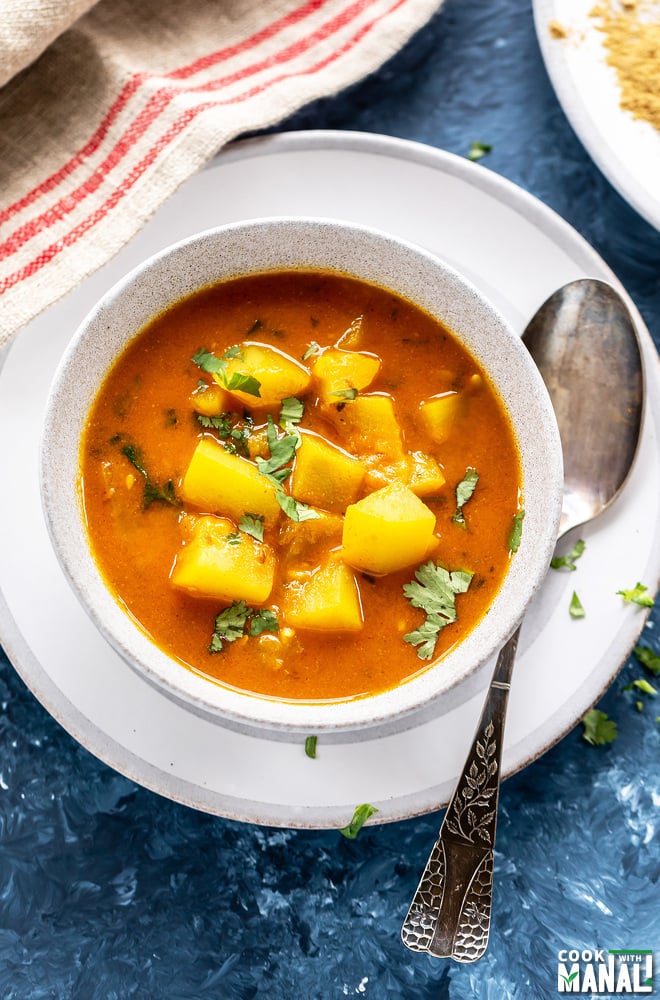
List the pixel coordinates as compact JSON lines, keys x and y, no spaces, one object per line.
{"x":598,"y":728}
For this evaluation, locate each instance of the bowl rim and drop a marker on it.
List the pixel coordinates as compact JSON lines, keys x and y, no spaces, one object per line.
{"x":434,"y":685}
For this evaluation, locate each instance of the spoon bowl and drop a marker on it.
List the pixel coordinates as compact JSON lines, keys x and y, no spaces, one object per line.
{"x":585,"y":345}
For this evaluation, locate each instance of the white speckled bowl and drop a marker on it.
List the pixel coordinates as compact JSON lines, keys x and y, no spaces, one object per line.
{"x":271,"y":244}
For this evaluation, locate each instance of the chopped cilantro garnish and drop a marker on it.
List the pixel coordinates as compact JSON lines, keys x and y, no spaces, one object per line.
{"x":152,"y":491}
{"x":294,"y":509}
{"x":639,"y":594}
{"x":234,"y":436}
{"x":464,"y":491}
{"x":252,"y":524}
{"x":264,"y":620}
{"x":310,"y":747}
{"x":291,"y":413}
{"x":515,"y":534}
{"x":478,"y":149}
{"x":360,"y":817}
{"x":575,"y":608}
{"x":282,"y":450}
{"x":244,"y":383}
{"x":345,"y":393}
{"x":313,"y":349}
{"x":568,"y":561}
{"x":645,"y":686}
{"x":599,"y":729}
{"x":234,"y":538}
{"x":229,"y":625}
{"x":435,"y":593}
{"x":648,"y":659}
{"x":211,"y":363}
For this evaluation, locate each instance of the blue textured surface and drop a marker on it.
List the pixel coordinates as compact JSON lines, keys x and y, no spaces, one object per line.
{"x":108,"y":891}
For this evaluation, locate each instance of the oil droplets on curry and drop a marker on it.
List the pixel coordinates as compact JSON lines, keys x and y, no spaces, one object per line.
{"x":301,"y":485}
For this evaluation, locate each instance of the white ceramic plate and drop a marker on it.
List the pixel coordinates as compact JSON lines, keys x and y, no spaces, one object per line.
{"x":521,"y":253}
{"x":627,"y":150}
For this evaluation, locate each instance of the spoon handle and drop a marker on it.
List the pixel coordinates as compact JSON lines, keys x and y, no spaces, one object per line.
{"x":449,"y":916}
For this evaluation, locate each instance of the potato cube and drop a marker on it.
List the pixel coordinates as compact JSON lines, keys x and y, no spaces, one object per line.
{"x":324,"y":475}
{"x":369,"y":426}
{"x":439,"y":415}
{"x":387,"y":531}
{"x":326,"y":598}
{"x":211,"y":401}
{"x":217,"y":561}
{"x":422,"y":474}
{"x":302,"y":539}
{"x":279,"y":376}
{"x":417,"y":470}
{"x":335,"y":371}
{"x":221,"y":483}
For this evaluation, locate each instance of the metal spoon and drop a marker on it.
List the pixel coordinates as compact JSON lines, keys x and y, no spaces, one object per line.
{"x":584,"y":343}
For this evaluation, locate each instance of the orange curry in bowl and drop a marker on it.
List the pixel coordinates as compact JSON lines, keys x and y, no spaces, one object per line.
{"x":301,"y":485}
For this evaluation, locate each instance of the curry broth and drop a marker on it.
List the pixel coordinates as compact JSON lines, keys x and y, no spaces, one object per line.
{"x":145,"y":403}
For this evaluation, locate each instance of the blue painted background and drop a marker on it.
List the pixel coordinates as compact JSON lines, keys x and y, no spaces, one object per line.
{"x":108,"y":892}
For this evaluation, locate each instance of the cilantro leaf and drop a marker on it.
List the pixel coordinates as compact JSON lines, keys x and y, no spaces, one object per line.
{"x":568,"y":561}
{"x":637,"y":595}
{"x":644,"y":686}
{"x":360,"y":817}
{"x":477,"y":150}
{"x":575,"y":608}
{"x":209,"y":362}
{"x":264,"y":620}
{"x":152,"y":490}
{"x":252,"y":524}
{"x":229,"y":625}
{"x":515,"y":535}
{"x":345,"y":393}
{"x":435,"y":592}
{"x":464,"y":491}
{"x":599,"y":729}
{"x":244,"y":383}
{"x":282,"y":450}
{"x":234,"y":538}
{"x":295,"y":509}
{"x":291,"y":413}
{"x":310,"y":747}
{"x":648,"y":659}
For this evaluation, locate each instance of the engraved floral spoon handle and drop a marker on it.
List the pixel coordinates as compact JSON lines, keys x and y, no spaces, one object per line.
{"x":450,"y":912}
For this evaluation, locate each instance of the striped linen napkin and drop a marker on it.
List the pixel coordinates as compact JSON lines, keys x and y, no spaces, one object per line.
{"x":106,"y":108}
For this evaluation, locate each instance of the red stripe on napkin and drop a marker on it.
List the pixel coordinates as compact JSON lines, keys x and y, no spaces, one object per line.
{"x":166,"y":138}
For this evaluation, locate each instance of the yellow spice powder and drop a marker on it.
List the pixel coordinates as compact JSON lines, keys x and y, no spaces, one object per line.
{"x":632,"y":41}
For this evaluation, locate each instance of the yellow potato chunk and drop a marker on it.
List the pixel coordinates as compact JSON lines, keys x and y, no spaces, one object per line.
{"x":279,"y":375}
{"x":211,"y":401}
{"x":439,"y":415}
{"x":326,"y":598}
{"x":221,"y":483}
{"x":302,"y":539}
{"x":220,"y":562}
{"x":387,"y":531}
{"x":335,"y":371}
{"x":417,"y":470}
{"x":324,"y":475}
{"x":369,"y":426}
{"x":422,"y":474}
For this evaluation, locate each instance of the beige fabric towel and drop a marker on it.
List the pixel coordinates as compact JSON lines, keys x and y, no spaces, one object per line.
{"x":133,"y":98}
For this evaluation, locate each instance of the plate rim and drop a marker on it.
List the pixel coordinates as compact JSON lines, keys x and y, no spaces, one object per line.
{"x":150,"y":776}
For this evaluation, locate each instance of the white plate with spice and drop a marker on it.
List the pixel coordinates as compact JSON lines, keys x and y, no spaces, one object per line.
{"x":524,"y":252}
{"x":603,"y":64}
